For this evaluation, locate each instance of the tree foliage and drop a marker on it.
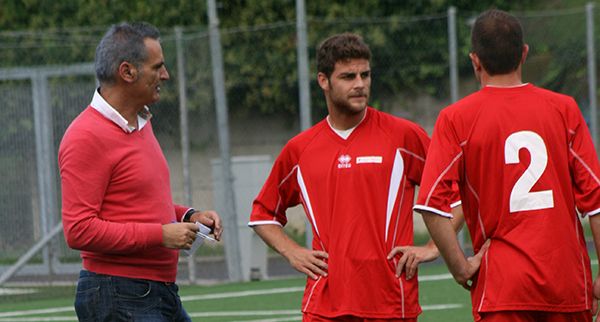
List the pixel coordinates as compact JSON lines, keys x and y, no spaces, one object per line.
{"x":408,"y":39}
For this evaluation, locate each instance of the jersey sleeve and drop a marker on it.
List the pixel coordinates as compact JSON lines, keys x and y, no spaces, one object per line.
{"x":444,"y":159}
{"x":279,"y":192}
{"x":585,"y":169}
{"x":415,"y":152}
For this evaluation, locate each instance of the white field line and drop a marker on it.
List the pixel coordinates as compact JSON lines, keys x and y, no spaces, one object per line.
{"x":41,"y":319}
{"x":14,"y":291}
{"x":241,"y":294}
{"x":439,"y":277}
{"x":190,"y":298}
{"x":242,"y":313}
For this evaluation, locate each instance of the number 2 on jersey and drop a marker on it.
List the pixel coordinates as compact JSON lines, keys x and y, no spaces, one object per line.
{"x":521,"y":196}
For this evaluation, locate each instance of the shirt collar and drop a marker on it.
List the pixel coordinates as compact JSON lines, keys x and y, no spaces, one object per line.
{"x":513,"y":86}
{"x":344,"y":134}
{"x":102,"y":106}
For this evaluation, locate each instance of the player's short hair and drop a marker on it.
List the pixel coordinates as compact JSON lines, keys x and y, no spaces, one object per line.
{"x":340,"y":47}
{"x":497,"y":39}
{"x":122,"y":42}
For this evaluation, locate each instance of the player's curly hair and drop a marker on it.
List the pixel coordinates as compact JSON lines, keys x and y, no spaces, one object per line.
{"x":497,"y":39}
{"x":338,"y":48}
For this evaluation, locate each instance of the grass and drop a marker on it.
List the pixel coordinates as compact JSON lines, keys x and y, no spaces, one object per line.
{"x":211,"y":303}
{"x":283,"y":306}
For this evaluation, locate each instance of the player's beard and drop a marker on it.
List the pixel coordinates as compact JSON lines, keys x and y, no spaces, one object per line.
{"x":342,"y":103}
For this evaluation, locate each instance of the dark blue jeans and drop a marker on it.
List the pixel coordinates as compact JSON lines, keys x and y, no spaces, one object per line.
{"x":112,"y":298}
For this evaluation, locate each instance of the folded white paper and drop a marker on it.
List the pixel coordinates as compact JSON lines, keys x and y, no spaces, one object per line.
{"x":200,"y":237}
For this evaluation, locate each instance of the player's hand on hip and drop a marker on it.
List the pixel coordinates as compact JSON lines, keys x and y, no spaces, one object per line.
{"x":310,"y":262}
{"x":596,"y":297}
{"x":179,"y":235}
{"x":411,"y":257}
{"x":211,"y":219}
{"x":473,"y":263}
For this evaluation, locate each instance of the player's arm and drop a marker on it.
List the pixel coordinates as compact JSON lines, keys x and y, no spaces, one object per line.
{"x":412,"y":256}
{"x":443,"y":234}
{"x":595,"y":226}
{"x":310,"y":262}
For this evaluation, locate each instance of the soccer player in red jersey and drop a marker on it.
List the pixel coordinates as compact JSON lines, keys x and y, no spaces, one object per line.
{"x":525,"y":165}
{"x":355,"y":174}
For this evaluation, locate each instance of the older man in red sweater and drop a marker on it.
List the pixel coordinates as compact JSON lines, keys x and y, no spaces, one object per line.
{"x":116,"y":195}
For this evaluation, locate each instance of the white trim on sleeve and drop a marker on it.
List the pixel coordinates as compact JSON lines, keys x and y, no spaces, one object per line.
{"x":433,"y":210}
{"x":264,"y":222}
{"x":591,"y":213}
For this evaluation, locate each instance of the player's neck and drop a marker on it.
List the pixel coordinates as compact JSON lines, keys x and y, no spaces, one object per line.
{"x":503,"y":80}
{"x":345,"y":121}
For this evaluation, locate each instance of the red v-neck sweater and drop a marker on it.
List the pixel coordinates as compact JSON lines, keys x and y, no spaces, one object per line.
{"x":116,"y":195}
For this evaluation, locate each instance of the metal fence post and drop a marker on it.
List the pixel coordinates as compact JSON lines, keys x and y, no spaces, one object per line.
{"x":453,"y":65}
{"x":232,"y":246}
{"x":303,"y":83}
{"x":591,"y":71}
{"x":452,"y":51}
{"x":44,"y":138}
{"x":185,"y":138}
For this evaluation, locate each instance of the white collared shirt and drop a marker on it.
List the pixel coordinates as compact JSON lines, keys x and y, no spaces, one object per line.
{"x":102,"y":106}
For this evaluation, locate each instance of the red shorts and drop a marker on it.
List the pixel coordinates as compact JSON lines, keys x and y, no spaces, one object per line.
{"x":535,"y":316}
{"x":307,"y":317}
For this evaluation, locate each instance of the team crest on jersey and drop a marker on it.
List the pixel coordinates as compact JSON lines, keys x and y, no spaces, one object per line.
{"x":344,"y":161}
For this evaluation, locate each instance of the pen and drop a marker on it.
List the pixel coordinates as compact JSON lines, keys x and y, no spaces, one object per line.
{"x":206,"y":236}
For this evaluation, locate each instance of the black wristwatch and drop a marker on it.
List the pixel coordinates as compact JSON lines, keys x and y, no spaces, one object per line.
{"x":188,"y":214}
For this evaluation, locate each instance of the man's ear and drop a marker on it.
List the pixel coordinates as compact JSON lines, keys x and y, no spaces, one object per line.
{"x":475,"y":62}
{"x":525,"y":52}
{"x":128,"y":72}
{"x":323,"y":81}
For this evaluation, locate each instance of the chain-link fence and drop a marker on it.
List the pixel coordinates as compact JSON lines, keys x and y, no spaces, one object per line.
{"x":411,"y":79}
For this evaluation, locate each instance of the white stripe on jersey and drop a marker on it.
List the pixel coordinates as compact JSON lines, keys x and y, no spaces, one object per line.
{"x":592,"y":174}
{"x":306,"y":198}
{"x":395,"y":178}
{"x":399,"y":212}
{"x":439,"y":178}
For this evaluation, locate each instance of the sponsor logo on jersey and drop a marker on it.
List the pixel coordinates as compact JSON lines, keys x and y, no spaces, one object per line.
{"x":369,"y":159}
{"x":344,"y":161}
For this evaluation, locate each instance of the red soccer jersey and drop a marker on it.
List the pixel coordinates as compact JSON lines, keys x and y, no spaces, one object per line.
{"x":358,"y":195}
{"x":523,"y":159}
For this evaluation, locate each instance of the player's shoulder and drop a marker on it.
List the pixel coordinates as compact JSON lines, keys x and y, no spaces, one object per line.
{"x":562,"y":103}
{"x":392,"y":122}
{"x":550,"y":94}
{"x":302,"y":140}
{"x":471,"y":101}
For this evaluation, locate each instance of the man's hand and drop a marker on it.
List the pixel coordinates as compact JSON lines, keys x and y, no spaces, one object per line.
{"x":412,"y":256}
{"x":310,"y":262}
{"x":211,"y":219}
{"x":472,"y":267}
{"x":179,"y":235}
{"x":596,"y":297}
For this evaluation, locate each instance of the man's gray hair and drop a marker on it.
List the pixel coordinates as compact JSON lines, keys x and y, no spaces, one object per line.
{"x":122,"y":42}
